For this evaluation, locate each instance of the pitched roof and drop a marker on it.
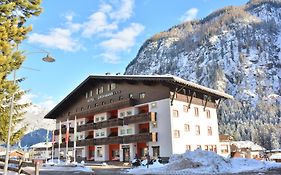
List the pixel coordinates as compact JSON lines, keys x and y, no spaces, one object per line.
{"x":170,"y":79}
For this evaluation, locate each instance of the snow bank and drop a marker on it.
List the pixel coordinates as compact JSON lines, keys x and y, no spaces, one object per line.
{"x":204,"y":162}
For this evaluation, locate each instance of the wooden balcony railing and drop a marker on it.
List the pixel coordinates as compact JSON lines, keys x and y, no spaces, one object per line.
{"x":139,"y":118}
{"x":108,"y":140}
{"x":86,"y":142}
{"x":63,"y":131}
{"x":86,"y":127}
{"x":109,"y":123}
{"x":142,"y":137}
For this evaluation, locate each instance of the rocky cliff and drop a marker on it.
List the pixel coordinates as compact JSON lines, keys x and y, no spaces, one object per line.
{"x":236,"y":50}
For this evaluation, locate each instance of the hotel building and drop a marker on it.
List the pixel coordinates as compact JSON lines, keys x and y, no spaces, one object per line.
{"x":120,"y":116}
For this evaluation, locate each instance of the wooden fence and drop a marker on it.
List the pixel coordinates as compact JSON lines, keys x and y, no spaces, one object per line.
{"x":20,"y":164}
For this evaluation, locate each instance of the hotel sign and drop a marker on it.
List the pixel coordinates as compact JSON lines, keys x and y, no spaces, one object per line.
{"x":103,"y":96}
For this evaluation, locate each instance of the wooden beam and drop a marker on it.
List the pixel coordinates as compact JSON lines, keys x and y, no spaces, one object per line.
{"x":190,"y":100}
{"x":206,"y":103}
{"x":173,"y":96}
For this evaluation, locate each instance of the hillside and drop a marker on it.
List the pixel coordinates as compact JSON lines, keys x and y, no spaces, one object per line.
{"x":236,"y":50}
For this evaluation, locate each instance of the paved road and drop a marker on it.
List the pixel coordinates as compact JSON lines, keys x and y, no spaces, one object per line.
{"x":117,"y":171}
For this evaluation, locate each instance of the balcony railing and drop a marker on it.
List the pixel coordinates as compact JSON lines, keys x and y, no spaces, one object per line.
{"x":139,"y":118}
{"x":109,"y":123}
{"x":86,"y":127}
{"x":63,"y":131}
{"x":143,"y":137}
{"x":108,"y":140}
{"x":86,"y":142}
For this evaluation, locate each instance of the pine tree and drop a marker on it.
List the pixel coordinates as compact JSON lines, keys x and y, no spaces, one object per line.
{"x":14,"y":14}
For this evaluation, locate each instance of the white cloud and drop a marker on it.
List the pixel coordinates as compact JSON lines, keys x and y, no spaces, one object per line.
{"x":121,"y":41}
{"x":124,"y":12}
{"x":189,"y":15}
{"x":97,"y":23}
{"x":58,"y":38}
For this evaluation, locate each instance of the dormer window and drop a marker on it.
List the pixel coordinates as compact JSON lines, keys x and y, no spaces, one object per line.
{"x":111,"y":86}
{"x":99,"y":90}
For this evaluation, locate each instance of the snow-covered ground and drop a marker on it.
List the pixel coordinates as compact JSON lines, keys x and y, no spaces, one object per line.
{"x":204,"y":162}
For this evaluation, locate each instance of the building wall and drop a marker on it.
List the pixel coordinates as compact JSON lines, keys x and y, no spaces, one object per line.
{"x":163,"y":129}
{"x":185,"y":138}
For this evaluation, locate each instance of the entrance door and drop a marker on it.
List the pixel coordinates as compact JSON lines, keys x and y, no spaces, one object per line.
{"x":126,"y":154}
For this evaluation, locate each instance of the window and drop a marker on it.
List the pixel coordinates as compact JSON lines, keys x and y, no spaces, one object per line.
{"x":176,"y":133}
{"x":186,"y":127}
{"x":122,"y":114}
{"x":142,"y":95}
{"x":102,"y":133}
{"x":128,"y":113}
{"x":196,"y":111}
{"x":209,"y":131}
{"x":121,"y":97}
{"x":224,"y":149}
{"x":111,"y":86}
{"x":111,"y":101}
{"x":197,"y":130}
{"x":208,"y":113}
{"x":99,"y":90}
{"x":198,"y":146}
{"x":129,"y":131}
{"x":102,"y":118}
{"x":97,"y":119}
{"x":97,"y":134}
{"x":206,"y":147}
{"x":122,"y":131}
{"x":185,"y":108}
{"x":130,"y":95}
{"x":82,"y":108}
{"x":81,"y":137}
{"x":103,"y":103}
{"x":188,"y":147}
{"x":91,"y":93}
{"x":99,"y":152}
{"x":175,"y":113}
{"x":81,"y":123}
{"x":155,"y":151}
{"x":86,"y":94}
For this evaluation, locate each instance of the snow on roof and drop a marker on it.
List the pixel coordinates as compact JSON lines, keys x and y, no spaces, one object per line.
{"x":175,"y":78}
{"x":248,"y":144}
{"x":42,"y":145}
{"x":275,"y":156}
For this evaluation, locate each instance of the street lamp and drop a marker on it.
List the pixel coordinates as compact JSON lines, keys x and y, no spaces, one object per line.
{"x":47,"y":58}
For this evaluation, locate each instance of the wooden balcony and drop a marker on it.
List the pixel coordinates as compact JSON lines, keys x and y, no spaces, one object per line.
{"x":108,"y":107}
{"x":143,"y":137}
{"x":86,"y":142}
{"x":63,"y":131}
{"x":109,"y":123}
{"x":140,"y":118}
{"x":86,"y":127}
{"x":63,"y":145}
{"x":108,"y":140}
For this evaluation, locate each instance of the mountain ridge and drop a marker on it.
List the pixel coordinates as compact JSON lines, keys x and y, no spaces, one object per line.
{"x":235,"y":49}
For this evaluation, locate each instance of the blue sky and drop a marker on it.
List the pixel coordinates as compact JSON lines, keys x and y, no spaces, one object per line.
{"x":94,"y":36}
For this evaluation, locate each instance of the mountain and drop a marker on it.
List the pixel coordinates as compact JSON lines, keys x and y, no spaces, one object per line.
{"x":235,"y":49}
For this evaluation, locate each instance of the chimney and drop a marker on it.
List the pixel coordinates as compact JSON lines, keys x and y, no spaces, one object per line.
{"x":107,"y":73}
{"x":118,"y":73}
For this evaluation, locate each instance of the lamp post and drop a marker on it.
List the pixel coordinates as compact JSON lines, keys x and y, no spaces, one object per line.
{"x":47,"y":58}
